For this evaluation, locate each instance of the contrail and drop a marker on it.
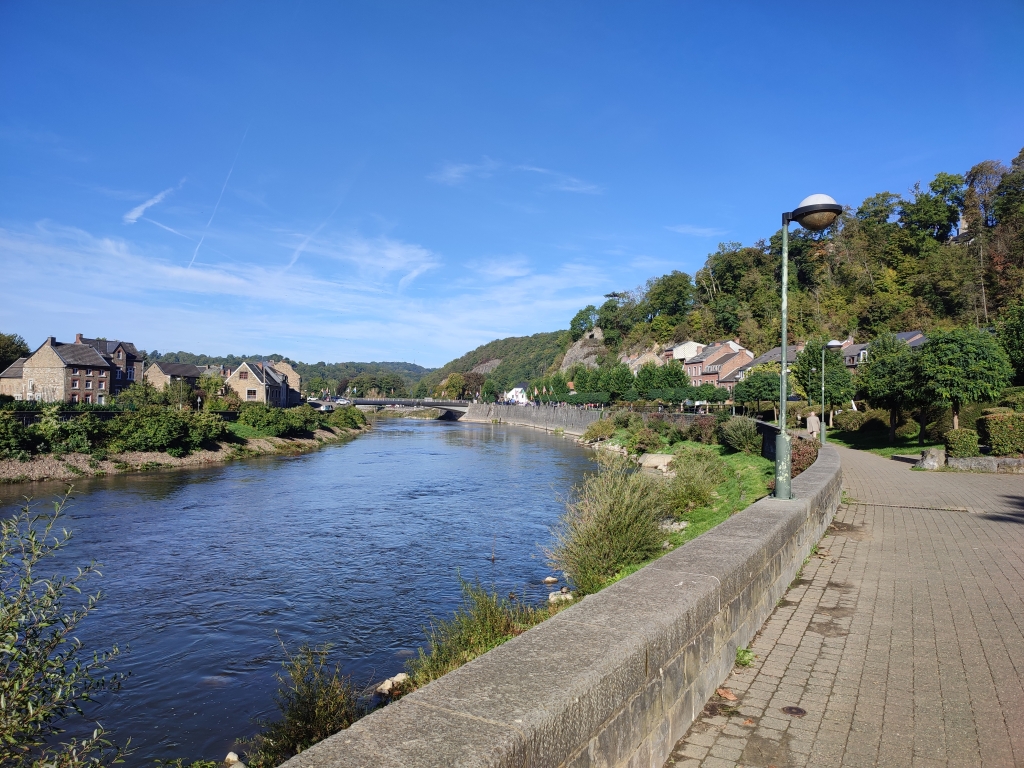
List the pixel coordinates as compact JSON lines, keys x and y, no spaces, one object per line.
{"x":219,"y":197}
{"x":314,"y":233}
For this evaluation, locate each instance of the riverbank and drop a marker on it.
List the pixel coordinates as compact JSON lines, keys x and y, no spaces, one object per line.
{"x":73,"y":466}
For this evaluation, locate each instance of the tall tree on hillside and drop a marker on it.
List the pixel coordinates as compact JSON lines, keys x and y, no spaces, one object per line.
{"x":962,"y":366}
{"x":1007,"y":237}
{"x":583,"y":321}
{"x":670,"y":295}
{"x":1011,"y":337}
{"x":888,"y":377}
{"x":12,"y":346}
{"x":937,"y":212}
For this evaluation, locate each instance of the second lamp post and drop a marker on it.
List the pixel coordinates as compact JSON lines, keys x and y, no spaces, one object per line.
{"x":814,"y":213}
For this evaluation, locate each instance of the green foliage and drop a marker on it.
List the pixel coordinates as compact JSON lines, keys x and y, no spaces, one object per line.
{"x":267,"y":421}
{"x":744,"y":657}
{"x":582,"y":322}
{"x":703,"y":429}
{"x":160,"y":429}
{"x":601,"y":429}
{"x":849,"y":421}
{"x":82,"y":434}
{"x":757,"y":387}
{"x":611,"y":522}
{"x":139,"y":395}
{"x":962,"y":443}
{"x":348,"y":417}
{"x":45,"y":675}
{"x":314,"y":701}
{"x":807,"y":372}
{"x":452,"y":388}
{"x":303,"y":420}
{"x":1013,"y":398}
{"x":643,"y":440}
{"x":962,"y":366}
{"x":699,"y":470}
{"x":890,"y":377}
{"x":1011,"y":337}
{"x":15,"y":442}
{"x":740,"y":434}
{"x":484,"y":620}
{"x":379,"y":384}
{"x":1004,"y":433}
{"x":12,"y":347}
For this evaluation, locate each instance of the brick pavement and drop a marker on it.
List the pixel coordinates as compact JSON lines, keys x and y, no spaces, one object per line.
{"x":903,"y":639}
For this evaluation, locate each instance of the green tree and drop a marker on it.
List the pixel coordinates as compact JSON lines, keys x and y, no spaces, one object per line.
{"x":758,"y":386}
{"x":673,"y":375}
{"x":12,"y":346}
{"x":45,"y":675}
{"x":888,"y":377}
{"x":619,"y":380}
{"x":453,"y":387}
{"x":583,"y":321}
{"x":318,"y":385}
{"x":421,"y":390}
{"x":670,"y":294}
{"x":1011,"y":337}
{"x":647,"y":378}
{"x":807,"y":371}
{"x":962,"y":366}
{"x":490,"y":392}
{"x":139,"y":395}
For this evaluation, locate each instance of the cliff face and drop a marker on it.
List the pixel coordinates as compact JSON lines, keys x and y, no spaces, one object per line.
{"x":585,"y":351}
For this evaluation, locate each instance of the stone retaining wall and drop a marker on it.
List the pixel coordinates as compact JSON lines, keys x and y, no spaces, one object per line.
{"x":616,"y":679}
{"x":573,"y":421}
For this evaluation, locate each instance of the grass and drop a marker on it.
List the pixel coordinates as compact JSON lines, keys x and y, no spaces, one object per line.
{"x":744,"y":657}
{"x":877,"y":442}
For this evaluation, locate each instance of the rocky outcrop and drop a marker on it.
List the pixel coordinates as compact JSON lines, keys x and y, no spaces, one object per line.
{"x":585,"y":351}
{"x":486,"y":367}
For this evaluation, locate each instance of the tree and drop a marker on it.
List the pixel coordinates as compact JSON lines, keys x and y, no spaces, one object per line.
{"x":962,"y":366}
{"x":647,"y":378}
{"x":670,"y":294}
{"x":1011,"y":337}
{"x":758,"y":386}
{"x":807,"y":371}
{"x":474,"y":383}
{"x":421,"y":390}
{"x":888,"y":377}
{"x":138,"y":395}
{"x":453,"y":387}
{"x":673,"y":375}
{"x":620,"y":380}
{"x":582,"y":322}
{"x":12,"y":346}
{"x":44,"y":675}
{"x":490,"y":392}
{"x":318,"y":385}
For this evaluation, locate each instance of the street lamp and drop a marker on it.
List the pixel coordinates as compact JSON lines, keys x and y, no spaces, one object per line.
{"x":814,"y":213}
{"x":831,"y":346}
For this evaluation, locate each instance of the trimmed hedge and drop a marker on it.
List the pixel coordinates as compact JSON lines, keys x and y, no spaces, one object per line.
{"x":1004,"y":432}
{"x":962,"y":443}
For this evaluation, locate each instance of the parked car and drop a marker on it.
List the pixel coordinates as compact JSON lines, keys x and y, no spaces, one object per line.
{"x":326,"y":407}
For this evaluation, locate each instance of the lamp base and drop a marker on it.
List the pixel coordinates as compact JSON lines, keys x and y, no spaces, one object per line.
{"x":783,"y":466}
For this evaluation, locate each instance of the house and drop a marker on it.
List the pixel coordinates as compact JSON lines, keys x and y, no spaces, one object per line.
{"x":855,"y":354}
{"x":517,"y":394}
{"x":715,"y":363}
{"x":647,"y":357}
{"x":161,"y":374}
{"x":277,"y":384}
{"x":85,"y":371}
{"x":686,"y":350}
{"x":214,"y":370}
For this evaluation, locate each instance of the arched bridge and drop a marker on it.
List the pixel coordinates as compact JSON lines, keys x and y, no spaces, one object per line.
{"x":449,"y":408}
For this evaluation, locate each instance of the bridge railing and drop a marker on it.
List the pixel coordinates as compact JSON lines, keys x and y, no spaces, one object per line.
{"x":412,"y":402}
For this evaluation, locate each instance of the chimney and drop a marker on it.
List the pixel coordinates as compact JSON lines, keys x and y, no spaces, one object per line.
{"x":78,"y":338}
{"x":51,"y":340}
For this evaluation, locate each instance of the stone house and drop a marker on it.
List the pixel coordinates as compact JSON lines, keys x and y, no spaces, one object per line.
{"x":161,"y":374}
{"x":277,"y":385}
{"x":85,"y":371}
{"x":716,"y":363}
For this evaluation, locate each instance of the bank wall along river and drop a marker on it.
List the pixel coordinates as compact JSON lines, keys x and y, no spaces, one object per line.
{"x":356,"y":544}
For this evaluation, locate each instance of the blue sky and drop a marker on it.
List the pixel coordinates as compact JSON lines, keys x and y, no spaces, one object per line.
{"x":405,"y":181}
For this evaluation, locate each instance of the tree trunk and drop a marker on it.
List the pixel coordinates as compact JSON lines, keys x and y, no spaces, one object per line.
{"x":892,"y":426}
{"x":831,"y":413}
{"x":920,"y":427}
{"x":956,"y":416}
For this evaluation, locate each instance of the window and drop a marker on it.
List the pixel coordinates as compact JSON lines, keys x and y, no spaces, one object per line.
{"x":88,"y":398}
{"x":102,"y":374}
{"x":88,"y":385}
{"x":119,"y":354}
{"x":103,"y":385}
{"x":74,"y":398}
{"x":131,"y":373}
{"x":88,"y":371}
{"x":100,"y":399}
{"x":74,"y":383}
{"x":243,"y":375}
{"x":74,"y":371}
{"x":250,"y":394}
{"x":119,"y":373}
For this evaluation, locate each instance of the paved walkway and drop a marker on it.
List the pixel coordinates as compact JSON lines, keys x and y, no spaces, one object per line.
{"x":903,"y":640}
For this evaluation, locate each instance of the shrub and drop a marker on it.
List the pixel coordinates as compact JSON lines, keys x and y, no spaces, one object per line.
{"x":699,"y":471}
{"x":1004,"y":432}
{"x":702,"y":430}
{"x":483,"y":621}
{"x":611,"y":522}
{"x":1013,"y":398}
{"x":598,"y":430}
{"x":154,"y":428}
{"x":204,"y":429}
{"x":875,"y":420}
{"x":962,"y":443}
{"x":621,"y":419}
{"x":45,"y":676}
{"x":849,"y":421}
{"x":802,"y":455}
{"x":907,"y":429}
{"x":643,"y":440}
{"x":740,"y":434}
{"x":15,"y":442}
{"x":314,"y":701}
{"x":304,"y":419}
{"x":348,"y":417}
{"x":264,"y":419}
{"x":79,"y":435}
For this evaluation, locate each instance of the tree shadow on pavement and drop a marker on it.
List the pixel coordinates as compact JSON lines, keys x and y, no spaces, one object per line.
{"x":1012,"y":510}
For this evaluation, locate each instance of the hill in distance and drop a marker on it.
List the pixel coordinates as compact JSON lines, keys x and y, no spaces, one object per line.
{"x":522,"y":358}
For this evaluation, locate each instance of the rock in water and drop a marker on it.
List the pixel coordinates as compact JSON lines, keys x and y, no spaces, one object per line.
{"x":554,"y":580}
{"x":232,"y":761}
{"x":393,"y":684}
{"x":558,"y":597}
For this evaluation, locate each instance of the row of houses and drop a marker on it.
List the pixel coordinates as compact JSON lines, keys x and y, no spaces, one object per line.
{"x":95,"y":370}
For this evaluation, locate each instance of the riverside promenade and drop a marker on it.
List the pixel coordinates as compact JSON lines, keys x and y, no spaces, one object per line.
{"x":903,"y":640}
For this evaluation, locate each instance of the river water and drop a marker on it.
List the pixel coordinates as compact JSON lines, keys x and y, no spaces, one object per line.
{"x":206,"y":572}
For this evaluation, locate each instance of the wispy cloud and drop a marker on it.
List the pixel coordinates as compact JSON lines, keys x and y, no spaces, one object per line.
{"x":135,"y":213}
{"x":454,"y":174}
{"x":563,"y":182}
{"x":689,"y":229}
{"x":219,"y":198}
{"x":169,"y":229}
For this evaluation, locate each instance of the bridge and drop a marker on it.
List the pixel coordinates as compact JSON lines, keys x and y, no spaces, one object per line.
{"x":451,"y":409}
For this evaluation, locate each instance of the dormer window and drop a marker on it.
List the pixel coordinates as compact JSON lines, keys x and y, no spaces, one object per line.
{"x":119,"y":354}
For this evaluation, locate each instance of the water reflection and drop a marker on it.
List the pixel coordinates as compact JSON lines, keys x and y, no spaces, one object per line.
{"x":356,"y":544}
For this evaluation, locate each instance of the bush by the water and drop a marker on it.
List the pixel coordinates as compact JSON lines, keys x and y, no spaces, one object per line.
{"x":601,"y":429}
{"x":348,"y":417}
{"x":484,"y":620}
{"x":314,"y":700}
{"x":264,"y":419}
{"x":611,"y":522}
{"x":699,"y":470}
{"x":154,"y":428}
{"x":962,"y":443}
{"x":702,"y":430}
{"x":644,"y":440}
{"x":1004,"y":432}
{"x":15,"y":442}
{"x":740,"y":434}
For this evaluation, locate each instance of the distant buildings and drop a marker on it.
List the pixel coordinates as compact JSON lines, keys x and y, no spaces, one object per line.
{"x":160,"y":374}
{"x":85,"y":371}
{"x":276,"y":384}
{"x":716,"y":363}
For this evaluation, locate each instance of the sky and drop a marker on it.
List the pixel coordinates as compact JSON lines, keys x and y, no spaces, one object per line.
{"x":405,"y":181}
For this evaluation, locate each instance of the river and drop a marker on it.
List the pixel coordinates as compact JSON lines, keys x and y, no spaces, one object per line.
{"x":206,"y":572}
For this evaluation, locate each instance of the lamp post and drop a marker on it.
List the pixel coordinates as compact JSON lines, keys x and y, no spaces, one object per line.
{"x":814,"y":213}
{"x":831,"y":346}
